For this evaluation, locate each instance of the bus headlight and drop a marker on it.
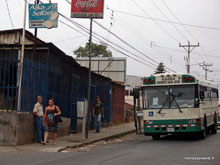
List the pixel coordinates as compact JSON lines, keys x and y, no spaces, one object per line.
{"x":192,"y":120}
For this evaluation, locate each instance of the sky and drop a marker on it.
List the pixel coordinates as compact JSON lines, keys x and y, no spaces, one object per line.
{"x":151,"y":41}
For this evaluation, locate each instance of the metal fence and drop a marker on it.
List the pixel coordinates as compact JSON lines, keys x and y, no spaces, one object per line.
{"x":8,"y":67}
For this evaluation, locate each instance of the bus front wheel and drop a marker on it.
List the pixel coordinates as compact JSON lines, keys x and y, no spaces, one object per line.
{"x":156,"y":137}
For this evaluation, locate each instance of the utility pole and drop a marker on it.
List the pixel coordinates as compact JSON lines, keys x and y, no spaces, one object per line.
{"x":21,"y":59}
{"x":206,"y":69}
{"x":35,"y":39}
{"x":86,"y":115}
{"x":189,"y":48}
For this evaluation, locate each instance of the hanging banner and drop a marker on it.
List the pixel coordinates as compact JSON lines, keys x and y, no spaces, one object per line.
{"x":43,"y":15}
{"x":87,"y":8}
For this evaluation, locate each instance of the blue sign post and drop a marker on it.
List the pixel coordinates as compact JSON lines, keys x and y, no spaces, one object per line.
{"x":43,"y":15}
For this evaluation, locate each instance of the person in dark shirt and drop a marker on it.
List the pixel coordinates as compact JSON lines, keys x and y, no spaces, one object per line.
{"x":98,"y":112}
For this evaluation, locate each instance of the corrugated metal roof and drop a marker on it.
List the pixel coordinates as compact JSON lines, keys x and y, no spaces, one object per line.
{"x":14,"y":36}
{"x":14,"y":41}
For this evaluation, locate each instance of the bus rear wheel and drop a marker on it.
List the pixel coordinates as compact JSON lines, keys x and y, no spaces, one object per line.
{"x":214,"y":127}
{"x":203,"y":134}
{"x":156,"y":137}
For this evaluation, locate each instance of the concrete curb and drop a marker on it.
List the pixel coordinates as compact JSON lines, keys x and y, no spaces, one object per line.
{"x":97,"y":140}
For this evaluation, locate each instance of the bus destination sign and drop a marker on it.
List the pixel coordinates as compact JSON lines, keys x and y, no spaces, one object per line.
{"x":169,"y":80}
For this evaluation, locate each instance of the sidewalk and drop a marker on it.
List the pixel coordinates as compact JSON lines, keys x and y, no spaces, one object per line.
{"x":74,"y":140}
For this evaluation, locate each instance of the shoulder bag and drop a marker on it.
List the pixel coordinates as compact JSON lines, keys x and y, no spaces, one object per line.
{"x":58,"y":119}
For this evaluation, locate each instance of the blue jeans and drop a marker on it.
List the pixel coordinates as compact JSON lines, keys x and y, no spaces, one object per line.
{"x":39,"y":129}
{"x":98,"y":122}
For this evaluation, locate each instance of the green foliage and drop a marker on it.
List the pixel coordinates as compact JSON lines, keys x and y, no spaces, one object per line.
{"x":98,"y":50}
{"x":160,"y":69}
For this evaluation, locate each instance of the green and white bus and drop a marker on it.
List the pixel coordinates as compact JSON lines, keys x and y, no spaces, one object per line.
{"x":179,"y":103}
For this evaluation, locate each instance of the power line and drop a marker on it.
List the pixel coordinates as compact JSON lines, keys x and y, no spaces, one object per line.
{"x":21,"y":7}
{"x":175,"y":50}
{"x":136,"y":49}
{"x":129,"y":44}
{"x":183,"y":26}
{"x":9,"y":14}
{"x":169,"y":20}
{"x":86,"y":30}
{"x":173,"y":22}
{"x":178,"y":20}
{"x":134,"y":31}
{"x":111,"y":24}
{"x":154,"y":21}
{"x":69,"y":39}
{"x":137,"y":34}
{"x":129,"y":28}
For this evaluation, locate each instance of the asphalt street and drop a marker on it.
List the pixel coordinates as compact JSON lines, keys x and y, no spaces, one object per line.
{"x":170,"y":150}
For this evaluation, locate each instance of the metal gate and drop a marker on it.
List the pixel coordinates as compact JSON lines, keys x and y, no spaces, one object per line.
{"x":8,"y":79}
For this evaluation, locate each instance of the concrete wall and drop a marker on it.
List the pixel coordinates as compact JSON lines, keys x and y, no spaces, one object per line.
{"x":8,"y":124}
{"x":24,"y":132}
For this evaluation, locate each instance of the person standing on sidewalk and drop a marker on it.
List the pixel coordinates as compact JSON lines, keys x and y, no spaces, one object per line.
{"x":98,"y":113}
{"x":50,"y":125}
{"x":38,"y":118}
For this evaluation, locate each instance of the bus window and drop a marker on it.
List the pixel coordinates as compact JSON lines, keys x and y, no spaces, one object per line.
{"x":206,"y":91}
{"x":156,"y":97}
{"x":182,"y":96}
{"x":214,"y":94}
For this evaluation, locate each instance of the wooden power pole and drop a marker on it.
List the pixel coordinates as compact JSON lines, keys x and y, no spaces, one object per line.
{"x":189,"y":48}
{"x":206,"y":69}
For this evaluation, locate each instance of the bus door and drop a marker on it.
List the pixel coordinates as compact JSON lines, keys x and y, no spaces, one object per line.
{"x":138,"y":110}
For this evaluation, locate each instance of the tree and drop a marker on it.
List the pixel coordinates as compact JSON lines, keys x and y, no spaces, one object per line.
{"x":96,"y":51}
{"x":160,"y":69}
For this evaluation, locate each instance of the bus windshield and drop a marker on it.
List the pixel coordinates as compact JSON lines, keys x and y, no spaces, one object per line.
{"x":169,"y":97}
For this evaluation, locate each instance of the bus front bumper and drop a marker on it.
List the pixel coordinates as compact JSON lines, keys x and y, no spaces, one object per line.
{"x":165,"y":129}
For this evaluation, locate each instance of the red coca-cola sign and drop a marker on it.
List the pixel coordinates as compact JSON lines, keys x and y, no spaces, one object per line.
{"x":87,"y":8}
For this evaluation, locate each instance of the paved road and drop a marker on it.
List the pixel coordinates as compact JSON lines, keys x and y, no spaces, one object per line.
{"x":170,"y":150}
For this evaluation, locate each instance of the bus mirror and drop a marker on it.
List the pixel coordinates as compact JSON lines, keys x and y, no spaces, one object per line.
{"x":202,"y":95}
{"x":136,"y":93}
